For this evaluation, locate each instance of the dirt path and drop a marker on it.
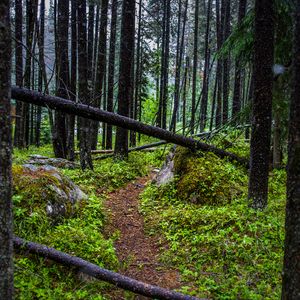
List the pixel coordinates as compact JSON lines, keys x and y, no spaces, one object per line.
{"x":138,"y":252}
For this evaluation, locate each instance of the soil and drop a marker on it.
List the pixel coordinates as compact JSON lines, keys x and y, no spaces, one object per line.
{"x":137,"y":251}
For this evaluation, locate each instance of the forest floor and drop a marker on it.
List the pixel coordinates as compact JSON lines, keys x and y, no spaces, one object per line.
{"x":138,"y":252}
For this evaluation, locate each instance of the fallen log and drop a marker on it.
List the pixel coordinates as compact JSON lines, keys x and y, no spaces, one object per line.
{"x":93,"y":270}
{"x":97,"y":114}
{"x":97,"y":152}
{"x":139,"y":148}
{"x":143,"y":147}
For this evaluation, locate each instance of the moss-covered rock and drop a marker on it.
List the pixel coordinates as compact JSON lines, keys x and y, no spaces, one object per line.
{"x":204,"y":178}
{"x":47,"y":189}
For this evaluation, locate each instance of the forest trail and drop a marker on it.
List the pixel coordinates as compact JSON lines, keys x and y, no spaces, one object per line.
{"x":137,"y":251}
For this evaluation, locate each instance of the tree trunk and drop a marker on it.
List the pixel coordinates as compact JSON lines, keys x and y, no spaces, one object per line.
{"x":203,"y":109}
{"x":42,"y":69}
{"x":83,"y":92}
{"x":195,"y":65}
{"x":28,"y":68}
{"x":6,"y":222}
{"x":262,"y":103}
{"x":184,"y":96}
{"x":125,"y":76}
{"x":73,"y":81}
{"x":101,"y":67}
{"x":179,"y":55}
{"x":111,"y":69}
{"x":62,"y":68}
{"x":237,"y":103}
{"x":226,"y":62}
{"x":291,"y":268}
{"x":137,"y":94}
{"x":218,"y":115}
{"x":19,"y":71}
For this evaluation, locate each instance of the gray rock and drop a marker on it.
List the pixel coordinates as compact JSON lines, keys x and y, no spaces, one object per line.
{"x":54,"y":162}
{"x":60,"y":194}
{"x":166,"y":174}
{"x":30,"y":167}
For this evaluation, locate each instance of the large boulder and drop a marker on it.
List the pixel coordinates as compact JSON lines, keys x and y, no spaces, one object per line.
{"x":45,"y":187}
{"x":202,"y":177}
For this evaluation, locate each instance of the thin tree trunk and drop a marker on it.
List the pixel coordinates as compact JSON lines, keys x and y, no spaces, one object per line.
{"x":204,"y":103}
{"x":195,"y":66}
{"x":19,"y":72}
{"x":162,"y":67}
{"x":73,"y":81}
{"x":180,"y":50}
{"x":137,"y":94}
{"x":187,"y":67}
{"x":83,"y":92}
{"x":111,"y":69}
{"x":100,"y":68}
{"x":166,"y":66}
{"x":41,"y":75}
{"x":226,"y":63}
{"x":237,"y":103}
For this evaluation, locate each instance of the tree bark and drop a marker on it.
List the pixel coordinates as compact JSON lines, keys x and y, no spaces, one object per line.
{"x":195,"y":65}
{"x":19,"y":71}
{"x":6,"y":223}
{"x":83,"y":93}
{"x":179,"y":55}
{"x":237,"y":103}
{"x":125,"y":76}
{"x":262,"y":103}
{"x":204,"y":102}
{"x":291,"y":268}
{"x":218,"y":101}
{"x":101,"y":67}
{"x":226,"y":62}
{"x":63,"y":81}
{"x":73,"y":81}
{"x":184,"y":96}
{"x":111,"y":69}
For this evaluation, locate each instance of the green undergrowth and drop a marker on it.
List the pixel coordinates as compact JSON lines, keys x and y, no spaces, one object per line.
{"x":223,"y":248}
{"x":79,"y":234}
{"x":21,"y":155}
{"x":110,"y":174}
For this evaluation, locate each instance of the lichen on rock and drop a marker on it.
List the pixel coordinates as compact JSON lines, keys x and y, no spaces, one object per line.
{"x":46,"y":188}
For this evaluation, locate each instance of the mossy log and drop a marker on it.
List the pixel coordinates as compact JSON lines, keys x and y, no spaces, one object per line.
{"x":93,"y":270}
{"x":97,"y":114}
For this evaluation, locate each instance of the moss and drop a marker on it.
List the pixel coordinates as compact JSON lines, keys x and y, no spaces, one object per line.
{"x":204,"y":178}
{"x":181,"y":158}
{"x":37,"y":189}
